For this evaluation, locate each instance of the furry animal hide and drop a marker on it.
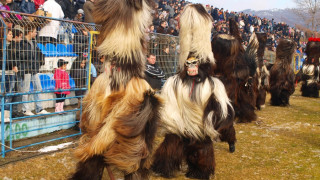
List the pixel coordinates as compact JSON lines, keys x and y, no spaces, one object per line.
{"x":121,"y":111}
{"x":309,"y":73}
{"x":196,"y":104}
{"x":281,"y":74}
{"x":313,"y":51}
{"x":263,"y":74}
{"x":236,"y":68}
{"x":196,"y":30}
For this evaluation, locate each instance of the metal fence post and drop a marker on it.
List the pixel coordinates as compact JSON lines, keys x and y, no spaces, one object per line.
{"x":3,"y":93}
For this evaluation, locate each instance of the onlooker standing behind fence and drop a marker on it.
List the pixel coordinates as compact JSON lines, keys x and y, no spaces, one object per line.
{"x":28,"y":6}
{"x":62,"y":82}
{"x":79,"y":16}
{"x":88,"y":9}
{"x":13,"y":5}
{"x":68,"y":8}
{"x":154,"y":74}
{"x":8,"y":73}
{"x":13,"y":64}
{"x":12,"y":40}
{"x":31,"y":59}
{"x":49,"y":33}
{"x":79,"y":73}
{"x":81,"y":41}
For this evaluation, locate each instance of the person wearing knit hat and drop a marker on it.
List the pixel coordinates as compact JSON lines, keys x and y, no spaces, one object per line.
{"x":79,"y":16}
{"x":80,"y":11}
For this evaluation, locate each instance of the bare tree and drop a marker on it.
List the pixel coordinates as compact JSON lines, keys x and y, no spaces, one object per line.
{"x":309,"y":11}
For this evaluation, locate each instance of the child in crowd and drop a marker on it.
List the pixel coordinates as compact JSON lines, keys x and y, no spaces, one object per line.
{"x":62,"y":82}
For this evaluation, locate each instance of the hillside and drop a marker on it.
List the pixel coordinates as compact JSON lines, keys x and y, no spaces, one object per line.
{"x":279,"y":15}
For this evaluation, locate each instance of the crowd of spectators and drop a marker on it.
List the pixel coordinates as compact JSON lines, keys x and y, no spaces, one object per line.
{"x":72,"y":9}
{"x":24,"y":58}
{"x":167,"y":13}
{"x":166,"y":18}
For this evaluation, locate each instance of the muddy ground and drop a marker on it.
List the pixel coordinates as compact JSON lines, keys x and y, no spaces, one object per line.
{"x":284,"y":143}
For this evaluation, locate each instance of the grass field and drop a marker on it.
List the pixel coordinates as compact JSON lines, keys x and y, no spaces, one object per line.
{"x":284,"y":143}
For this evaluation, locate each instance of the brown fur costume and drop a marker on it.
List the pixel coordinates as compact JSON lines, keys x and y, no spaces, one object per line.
{"x":236,"y":68}
{"x":281,"y":74}
{"x":196,"y":105}
{"x":263,"y":74}
{"x":310,"y":72}
{"x":121,"y":111}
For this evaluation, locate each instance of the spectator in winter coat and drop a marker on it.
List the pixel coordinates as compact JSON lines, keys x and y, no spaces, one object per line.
{"x":31,"y":59}
{"x":62,"y":82}
{"x":11,"y":70}
{"x":80,"y":76}
{"x":79,"y":16}
{"x":68,"y":8}
{"x":13,"y":6}
{"x":28,"y":6}
{"x":154,"y":74}
{"x":13,"y":63}
{"x":81,"y":41}
{"x":162,"y":28}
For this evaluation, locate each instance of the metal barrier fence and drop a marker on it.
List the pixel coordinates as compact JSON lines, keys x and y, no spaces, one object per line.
{"x":166,"y":49}
{"x":33,"y":78}
{"x":44,"y":76}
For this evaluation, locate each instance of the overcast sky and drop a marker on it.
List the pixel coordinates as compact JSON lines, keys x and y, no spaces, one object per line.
{"x":239,"y":5}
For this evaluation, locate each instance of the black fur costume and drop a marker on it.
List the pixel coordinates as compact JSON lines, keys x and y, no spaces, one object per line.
{"x":281,"y":74}
{"x":121,"y":111}
{"x":236,"y":67}
{"x":196,"y":105}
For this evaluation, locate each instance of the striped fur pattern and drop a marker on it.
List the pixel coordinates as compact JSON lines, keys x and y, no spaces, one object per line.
{"x":312,"y":71}
{"x":196,"y":33}
{"x":237,"y":68}
{"x":124,"y":24}
{"x":184,"y":115}
{"x":122,"y":37}
{"x":128,"y":119}
{"x":310,"y":77}
{"x":281,"y":74}
{"x":195,"y":107}
{"x":121,"y":111}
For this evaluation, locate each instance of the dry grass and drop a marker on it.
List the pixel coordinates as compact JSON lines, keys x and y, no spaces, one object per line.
{"x":284,"y":143}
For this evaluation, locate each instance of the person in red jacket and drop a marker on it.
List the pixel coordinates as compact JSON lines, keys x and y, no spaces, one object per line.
{"x":62,"y":82}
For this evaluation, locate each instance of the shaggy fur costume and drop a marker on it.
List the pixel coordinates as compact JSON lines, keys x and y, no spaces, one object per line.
{"x":263,"y":74}
{"x":196,"y":106}
{"x":310,"y":74}
{"x":121,"y":111}
{"x":281,"y":74}
{"x":236,"y":68}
